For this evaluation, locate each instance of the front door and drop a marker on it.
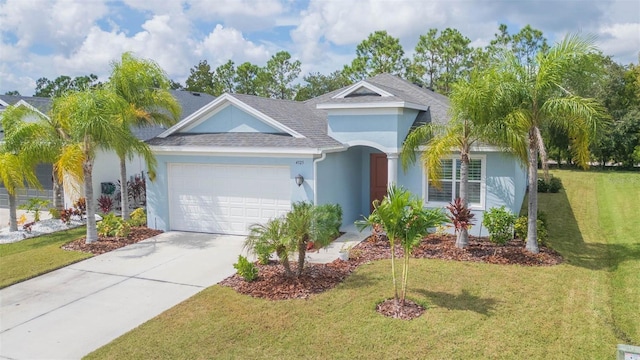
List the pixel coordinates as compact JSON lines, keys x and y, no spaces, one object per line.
{"x":378,"y":177}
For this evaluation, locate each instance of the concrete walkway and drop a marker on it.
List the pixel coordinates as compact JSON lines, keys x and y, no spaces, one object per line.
{"x":72,"y":311}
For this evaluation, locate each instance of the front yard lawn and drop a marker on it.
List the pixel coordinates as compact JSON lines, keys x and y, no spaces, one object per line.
{"x":579,"y":309}
{"x":28,"y":258}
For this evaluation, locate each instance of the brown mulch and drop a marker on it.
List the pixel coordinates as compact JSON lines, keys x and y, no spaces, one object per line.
{"x":106,"y":244}
{"x":409,"y":311}
{"x":272,"y":284}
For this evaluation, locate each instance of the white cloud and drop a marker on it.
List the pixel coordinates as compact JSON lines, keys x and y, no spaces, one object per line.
{"x":223,"y":44}
{"x":247,"y":15}
{"x":61,"y":24}
{"x":622,"y":40}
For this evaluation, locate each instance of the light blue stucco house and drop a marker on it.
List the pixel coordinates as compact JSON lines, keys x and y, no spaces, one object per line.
{"x":243,"y":159}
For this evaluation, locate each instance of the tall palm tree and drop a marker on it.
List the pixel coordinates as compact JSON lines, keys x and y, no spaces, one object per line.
{"x":532,"y":99}
{"x":144,"y":86}
{"x":16,"y":167}
{"x":90,"y":120}
{"x":471,"y":109}
{"x":41,"y":139}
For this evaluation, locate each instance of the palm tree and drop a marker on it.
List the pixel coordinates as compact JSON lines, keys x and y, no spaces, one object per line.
{"x":404,"y":219}
{"x":90,"y":120}
{"x":307,"y":223}
{"x":16,"y":167}
{"x":271,"y":237}
{"x":471,"y":111}
{"x":41,"y":139}
{"x":533,"y":99}
{"x":144,"y":86}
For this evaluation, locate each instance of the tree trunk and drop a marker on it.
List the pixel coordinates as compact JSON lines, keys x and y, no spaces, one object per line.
{"x":532,"y":228}
{"x":462,"y":238}
{"x":302,"y":252}
{"x":124,"y":191}
{"x":13,"y":216}
{"x":92,"y":231}
{"x":58,"y":197}
{"x":284,"y":260}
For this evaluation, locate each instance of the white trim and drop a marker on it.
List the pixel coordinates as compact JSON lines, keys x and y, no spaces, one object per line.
{"x":366,"y":111}
{"x":483,"y":183}
{"x":29,"y":106}
{"x":372,"y":144}
{"x":372,"y":105}
{"x":223,"y":100}
{"x":3,"y":103}
{"x":238,"y":151}
{"x":361,"y":84}
{"x":472,"y":149}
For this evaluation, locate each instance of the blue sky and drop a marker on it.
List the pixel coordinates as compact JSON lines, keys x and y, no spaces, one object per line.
{"x":48,"y":38}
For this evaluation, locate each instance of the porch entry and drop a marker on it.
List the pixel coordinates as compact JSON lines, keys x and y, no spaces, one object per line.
{"x":378,"y":178}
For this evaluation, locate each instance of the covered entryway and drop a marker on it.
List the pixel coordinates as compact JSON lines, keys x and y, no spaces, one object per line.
{"x":226,"y":199}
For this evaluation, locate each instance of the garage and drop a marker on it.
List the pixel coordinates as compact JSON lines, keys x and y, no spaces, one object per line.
{"x":226,"y":199}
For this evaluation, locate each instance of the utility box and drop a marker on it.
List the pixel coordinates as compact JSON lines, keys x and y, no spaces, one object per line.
{"x":107,"y":188}
{"x":628,"y":352}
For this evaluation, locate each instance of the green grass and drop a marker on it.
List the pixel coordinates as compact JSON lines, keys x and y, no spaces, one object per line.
{"x":579,"y":309}
{"x":25,"y":259}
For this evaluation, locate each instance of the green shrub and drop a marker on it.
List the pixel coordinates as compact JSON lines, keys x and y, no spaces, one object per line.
{"x":112,"y":225}
{"x":263,"y":251}
{"x":138,"y":217}
{"x":330,"y":214}
{"x":246,"y":269}
{"x":521,"y":227}
{"x":543,"y":186}
{"x":555,"y":184}
{"x":499,"y":222}
{"x":55,"y":214}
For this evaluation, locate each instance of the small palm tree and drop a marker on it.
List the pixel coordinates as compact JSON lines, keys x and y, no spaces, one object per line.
{"x":271,"y":237}
{"x":305,"y":223}
{"x":405,"y":220}
{"x":144,"y":86}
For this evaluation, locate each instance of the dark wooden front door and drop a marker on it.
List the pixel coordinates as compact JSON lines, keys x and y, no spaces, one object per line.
{"x":378,"y":185}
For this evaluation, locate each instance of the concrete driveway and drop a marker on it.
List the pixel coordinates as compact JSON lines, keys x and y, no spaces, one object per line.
{"x":72,"y":311}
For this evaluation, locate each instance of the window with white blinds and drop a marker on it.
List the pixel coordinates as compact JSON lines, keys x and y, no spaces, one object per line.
{"x":450,"y":182}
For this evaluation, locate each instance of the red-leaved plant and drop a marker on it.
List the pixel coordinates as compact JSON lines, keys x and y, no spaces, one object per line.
{"x":105,"y":203}
{"x":460,"y":216}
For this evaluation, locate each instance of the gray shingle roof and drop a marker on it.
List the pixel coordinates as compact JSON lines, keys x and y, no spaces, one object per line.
{"x":311,"y":122}
{"x":42,"y":104}
{"x":400,"y":89}
{"x":190,"y":102}
{"x":244,"y":139}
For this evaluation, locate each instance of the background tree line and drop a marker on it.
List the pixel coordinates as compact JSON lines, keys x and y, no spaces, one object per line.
{"x":440,"y":59}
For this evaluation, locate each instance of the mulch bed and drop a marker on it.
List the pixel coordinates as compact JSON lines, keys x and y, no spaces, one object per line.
{"x":106,"y":244}
{"x":272,"y":284}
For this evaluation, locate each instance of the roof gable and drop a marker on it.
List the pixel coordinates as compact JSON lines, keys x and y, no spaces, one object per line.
{"x":362,"y":88}
{"x":199,"y":120}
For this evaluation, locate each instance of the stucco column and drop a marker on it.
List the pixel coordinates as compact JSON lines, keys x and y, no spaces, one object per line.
{"x":392,"y":168}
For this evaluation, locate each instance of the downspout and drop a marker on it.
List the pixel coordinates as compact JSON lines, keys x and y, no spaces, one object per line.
{"x":315,"y":176}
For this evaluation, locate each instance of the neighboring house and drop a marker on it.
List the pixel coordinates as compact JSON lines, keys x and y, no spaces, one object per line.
{"x":243,"y":159}
{"x":107,"y":165}
{"x":43,"y":171}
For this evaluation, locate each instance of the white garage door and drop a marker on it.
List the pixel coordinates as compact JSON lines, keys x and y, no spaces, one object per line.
{"x":226,"y":198}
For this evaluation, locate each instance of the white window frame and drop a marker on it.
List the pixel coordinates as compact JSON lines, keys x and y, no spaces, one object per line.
{"x":483,"y":183}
